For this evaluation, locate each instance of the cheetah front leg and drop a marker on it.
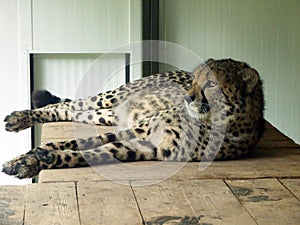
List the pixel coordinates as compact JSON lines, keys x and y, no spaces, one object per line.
{"x":21,"y":120}
{"x":82,"y":110}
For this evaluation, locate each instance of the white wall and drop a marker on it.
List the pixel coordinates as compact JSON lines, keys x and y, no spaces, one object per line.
{"x":264,"y":33}
{"x":14,"y":85}
{"x":55,"y":26}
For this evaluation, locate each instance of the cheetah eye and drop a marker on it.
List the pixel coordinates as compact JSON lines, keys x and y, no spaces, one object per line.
{"x":211,"y":83}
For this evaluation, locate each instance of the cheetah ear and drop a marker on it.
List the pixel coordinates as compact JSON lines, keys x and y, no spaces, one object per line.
{"x":251,"y":78}
{"x":210,"y":60}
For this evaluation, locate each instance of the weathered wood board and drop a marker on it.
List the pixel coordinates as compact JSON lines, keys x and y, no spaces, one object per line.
{"x":49,"y":204}
{"x":12,"y":205}
{"x":190,"y":202}
{"x":293,"y":185}
{"x":278,"y":163}
{"x":267,"y":200}
{"x":106,"y":202}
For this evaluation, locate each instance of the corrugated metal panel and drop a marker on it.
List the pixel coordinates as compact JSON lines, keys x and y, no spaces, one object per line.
{"x":78,"y":75}
{"x":264,"y":33}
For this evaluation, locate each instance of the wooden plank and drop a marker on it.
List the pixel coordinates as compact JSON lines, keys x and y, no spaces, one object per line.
{"x":279,"y":163}
{"x":293,"y":185}
{"x":69,"y":130}
{"x":265,"y":163}
{"x":66,"y":130}
{"x":69,"y":175}
{"x":277,"y":144}
{"x":12,"y":204}
{"x":190,"y":202}
{"x":107,"y":203}
{"x":278,"y":159}
{"x":271,"y":133}
{"x":50,"y":204}
{"x":267,"y":201}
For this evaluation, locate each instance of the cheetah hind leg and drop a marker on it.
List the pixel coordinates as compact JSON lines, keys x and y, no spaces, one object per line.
{"x":29,"y":165}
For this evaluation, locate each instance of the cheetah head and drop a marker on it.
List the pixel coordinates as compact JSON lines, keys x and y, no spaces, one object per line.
{"x":221,"y":89}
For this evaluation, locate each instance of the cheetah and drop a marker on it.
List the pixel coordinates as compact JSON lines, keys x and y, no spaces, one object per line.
{"x":214,"y":113}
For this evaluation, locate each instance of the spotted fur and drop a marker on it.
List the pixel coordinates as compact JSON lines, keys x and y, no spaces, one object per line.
{"x":214,"y":113}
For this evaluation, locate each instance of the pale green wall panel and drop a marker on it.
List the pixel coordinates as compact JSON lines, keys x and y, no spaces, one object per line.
{"x":80,"y":25}
{"x":264,"y":33}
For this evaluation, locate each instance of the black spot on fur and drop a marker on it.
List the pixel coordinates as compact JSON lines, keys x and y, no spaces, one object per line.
{"x":99,"y":104}
{"x":81,"y":159}
{"x":188,"y":143}
{"x":74,"y":144}
{"x":44,"y":166}
{"x":111,"y":137}
{"x":142,"y":157}
{"x":87,"y":156}
{"x":114,"y":101}
{"x":149,"y":132}
{"x":139,"y":130}
{"x":168,"y":120}
{"x":235,"y":133}
{"x":88,"y":144}
{"x":117,"y":144}
{"x":105,"y":156}
{"x":67,"y":158}
{"x":168,"y":131}
{"x":166,"y":152}
{"x":176,"y":133}
{"x":102,"y":120}
{"x":58,"y":160}
{"x":114,"y":152}
{"x":49,"y":144}
{"x":175,"y":143}
{"x":131,"y":155}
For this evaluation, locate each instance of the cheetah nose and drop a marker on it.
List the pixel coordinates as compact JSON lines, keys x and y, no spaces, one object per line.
{"x":189,"y":99}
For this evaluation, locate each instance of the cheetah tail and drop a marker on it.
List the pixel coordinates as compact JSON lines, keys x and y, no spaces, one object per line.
{"x":41,"y":98}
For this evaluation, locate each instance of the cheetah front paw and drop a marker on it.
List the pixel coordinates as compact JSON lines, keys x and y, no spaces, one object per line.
{"x":28,"y":165}
{"x":18,"y":120}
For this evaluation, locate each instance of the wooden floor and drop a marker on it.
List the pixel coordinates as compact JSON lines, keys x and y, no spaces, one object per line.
{"x":263,"y":189}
